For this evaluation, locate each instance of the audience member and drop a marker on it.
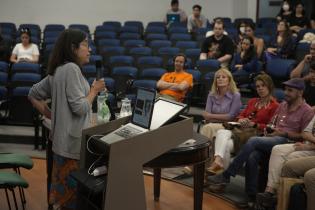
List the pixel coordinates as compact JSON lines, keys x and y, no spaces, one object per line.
{"x":174,"y":85}
{"x":282,"y":153}
{"x":312,"y":21}
{"x":303,"y":167}
{"x":288,"y":122}
{"x":257,"y":114}
{"x":310,"y":87}
{"x":218,"y":46}
{"x":210,"y":33}
{"x":4,"y":51}
{"x":26,"y":51}
{"x":196,"y":20}
{"x":71,"y":111}
{"x":258,"y":42}
{"x":298,"y":19}
{"x":245,"y":62}
{"x":223,"y":103}
{"x":285,"y":12}
{"x":176,"y":10}
{"x":283,"y":44}
{"x":303,"y":68}
{"x":240,"y":34}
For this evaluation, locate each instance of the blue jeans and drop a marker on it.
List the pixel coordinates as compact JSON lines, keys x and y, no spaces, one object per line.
{"x":261,"y":144}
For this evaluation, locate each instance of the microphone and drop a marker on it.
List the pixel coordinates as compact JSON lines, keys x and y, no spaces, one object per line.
{"x":99,"y":70}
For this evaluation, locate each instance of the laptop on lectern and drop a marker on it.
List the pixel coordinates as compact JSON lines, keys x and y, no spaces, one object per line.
{"x":140,"y":119}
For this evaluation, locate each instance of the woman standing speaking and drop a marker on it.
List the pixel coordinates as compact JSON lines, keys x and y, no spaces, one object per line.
{"x":71,"y":102}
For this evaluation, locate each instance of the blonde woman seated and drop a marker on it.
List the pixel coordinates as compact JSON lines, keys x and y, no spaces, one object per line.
{"x":26,"y":51}
{"x":258,"y":113}
{"x":223,"y":103}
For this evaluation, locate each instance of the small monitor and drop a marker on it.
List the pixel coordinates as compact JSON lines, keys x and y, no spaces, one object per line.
{"x":143,"y":108}
{"x":173,"y":18}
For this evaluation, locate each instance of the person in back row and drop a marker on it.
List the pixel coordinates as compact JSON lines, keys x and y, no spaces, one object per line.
{"x":258,"y":42}
{"x":174,"y":85}
{"x":218,"y":46}
{"x":196,"y":20}
{"x":287,"y":124}
{"x":244,"y":62}
{"x":283,"y":45}
{"x":303,"y":68}
{"x":26,"y":51}
{"x":176,"y":10}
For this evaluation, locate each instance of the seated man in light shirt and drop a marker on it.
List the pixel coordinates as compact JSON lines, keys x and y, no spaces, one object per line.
{"x":196,"y":20}
{"x":176,"y":10}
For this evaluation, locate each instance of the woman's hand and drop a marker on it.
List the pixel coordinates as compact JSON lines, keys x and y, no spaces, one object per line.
{"x":98,"y":85}
{"x":244,"y":122}
{"x":238,"y":66}
{"x":272,"y":50}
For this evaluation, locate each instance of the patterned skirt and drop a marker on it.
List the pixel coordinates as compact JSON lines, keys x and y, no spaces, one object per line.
{"x":63,"y":187}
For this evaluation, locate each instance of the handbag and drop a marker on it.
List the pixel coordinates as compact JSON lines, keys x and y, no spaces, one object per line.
{"x":241,"y":135}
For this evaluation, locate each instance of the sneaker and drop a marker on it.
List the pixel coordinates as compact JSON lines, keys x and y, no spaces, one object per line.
{"x":266,"y":199}
{"x":218,"y":179}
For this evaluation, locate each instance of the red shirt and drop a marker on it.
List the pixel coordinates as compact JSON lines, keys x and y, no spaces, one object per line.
{"x":260,"y":116}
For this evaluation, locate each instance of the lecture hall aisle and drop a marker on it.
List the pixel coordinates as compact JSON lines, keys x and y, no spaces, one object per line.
{"x":173,"y":196}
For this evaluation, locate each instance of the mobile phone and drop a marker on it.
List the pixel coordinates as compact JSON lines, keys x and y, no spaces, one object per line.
{"x":99,"y":70}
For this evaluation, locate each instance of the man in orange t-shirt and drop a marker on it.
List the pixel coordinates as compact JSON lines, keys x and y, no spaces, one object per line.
{"x":175,"y":84}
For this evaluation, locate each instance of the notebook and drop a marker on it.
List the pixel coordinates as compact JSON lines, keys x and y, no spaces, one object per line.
{"x":173,"y":18}
{"x":140,"y":119}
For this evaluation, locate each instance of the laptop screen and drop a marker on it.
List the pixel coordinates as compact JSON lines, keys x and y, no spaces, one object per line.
{"x":164,"y":110}
{"x":173,"y":18}
{"x":143,"y":108}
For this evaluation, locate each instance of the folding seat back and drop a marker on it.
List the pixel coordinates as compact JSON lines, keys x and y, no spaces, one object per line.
{"x":166,"y":53}
{"x":81,"y":27}
{"x":149,"y":62}
{"x":152,"y":73}
{"x":156,"y":44}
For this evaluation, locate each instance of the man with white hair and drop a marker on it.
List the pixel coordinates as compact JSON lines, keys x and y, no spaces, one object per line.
{"x":303,"y":69}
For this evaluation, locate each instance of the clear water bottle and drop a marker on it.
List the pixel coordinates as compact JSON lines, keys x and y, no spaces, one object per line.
{"x":125,"y":108}
{"x":103,"y":112}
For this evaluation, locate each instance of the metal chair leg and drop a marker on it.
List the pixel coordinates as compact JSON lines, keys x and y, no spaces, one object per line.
{"x":21,"y":190}
{"x":14,"y":198}
{"x":8,"y":199}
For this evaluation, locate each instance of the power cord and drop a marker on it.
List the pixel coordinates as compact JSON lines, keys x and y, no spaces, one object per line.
{"x":88,"y":141}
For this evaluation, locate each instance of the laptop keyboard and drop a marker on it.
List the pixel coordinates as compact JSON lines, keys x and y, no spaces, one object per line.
{"x":128,"y":132}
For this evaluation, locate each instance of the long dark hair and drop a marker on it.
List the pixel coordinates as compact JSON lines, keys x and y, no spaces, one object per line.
{"x":286,"y":34}
{"x":303,"y":11}
{"x":251,"y":52}
{"x":63,"y":51}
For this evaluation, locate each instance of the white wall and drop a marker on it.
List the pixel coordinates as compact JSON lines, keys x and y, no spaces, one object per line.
{"x":94,"y":12}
